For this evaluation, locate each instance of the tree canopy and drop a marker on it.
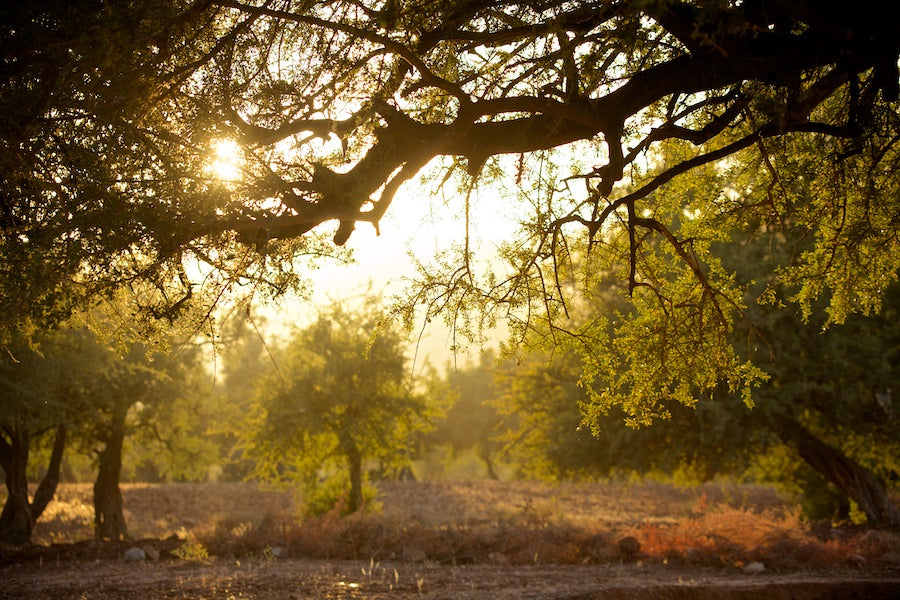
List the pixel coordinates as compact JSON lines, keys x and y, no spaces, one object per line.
{"x":591,"y":113}
{"x":39,"y":396}
{"x":341,"y":396}
{"x":826,"y":407}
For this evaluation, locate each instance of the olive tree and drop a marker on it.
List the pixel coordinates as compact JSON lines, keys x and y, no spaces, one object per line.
{"x":341,"y":396}
{"x":39,"y":398}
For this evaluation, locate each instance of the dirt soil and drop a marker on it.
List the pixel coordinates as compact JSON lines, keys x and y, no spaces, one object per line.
{"x":295,"y":579}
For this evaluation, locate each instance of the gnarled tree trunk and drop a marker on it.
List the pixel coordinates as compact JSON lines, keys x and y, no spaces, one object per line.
{"x":19,"y":513}
{"x":848,"y":475}
{"x":485,"y":456}
{"x":354,"y":463}
{"x":109,"y":518}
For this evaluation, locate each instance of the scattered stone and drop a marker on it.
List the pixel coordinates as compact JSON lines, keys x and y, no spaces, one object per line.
{"x":629,"y":547}
{"x":754,"y":568}
{"x":135,"y":554}
{"x":693,"y":555}
{"x":151,"y":552}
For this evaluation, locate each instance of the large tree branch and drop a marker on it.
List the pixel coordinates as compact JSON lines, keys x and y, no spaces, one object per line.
{"x":520,"y":124}
{"x":580,"y":20}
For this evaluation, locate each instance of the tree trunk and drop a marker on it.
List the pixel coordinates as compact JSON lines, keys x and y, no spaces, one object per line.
{"x":354,"y":458}
{"x":109,"y":518}
{"x":47,"y":488}
{"x":19,"y":514}
{"x":16,"y":522}
{"x":849,"y":476}
{"x":489,"y":464}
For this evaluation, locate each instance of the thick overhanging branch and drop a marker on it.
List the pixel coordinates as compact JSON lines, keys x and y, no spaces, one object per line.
{"x":719,"y":59}
{"x":262,"y":136}
{"x":401,"y":149}
{"x":580,"y":20}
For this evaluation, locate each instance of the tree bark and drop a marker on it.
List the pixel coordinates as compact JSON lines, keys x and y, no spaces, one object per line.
{"x":849,"y":476}
{"x":485,"y":456}
{"x":47,"y":488}
{"x":109,"y":517}
{"x":354,"y":459}
{"x":19,"y":515}
{"x":16,"y":522}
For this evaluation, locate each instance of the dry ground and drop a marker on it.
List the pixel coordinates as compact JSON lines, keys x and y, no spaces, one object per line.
{"x":296,"y":579}
{"x":453,"y":540}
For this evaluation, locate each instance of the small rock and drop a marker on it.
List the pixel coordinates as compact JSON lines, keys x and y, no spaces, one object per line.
{"x":135,"y":554}
{"x":629,"y":547}
{"x":151,"y":552}
{"x":693,"y":555}
{"x":754,"y":568}
{"x":279,"y":551}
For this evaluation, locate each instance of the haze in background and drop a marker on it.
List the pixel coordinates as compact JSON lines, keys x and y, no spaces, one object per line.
{"x":415,"y":228}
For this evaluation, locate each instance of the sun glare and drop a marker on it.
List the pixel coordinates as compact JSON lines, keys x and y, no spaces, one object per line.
{"x":226,"y":160}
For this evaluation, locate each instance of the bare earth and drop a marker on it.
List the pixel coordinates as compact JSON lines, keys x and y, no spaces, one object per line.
{"x":301,"y":579}
{"x":453,"y":540}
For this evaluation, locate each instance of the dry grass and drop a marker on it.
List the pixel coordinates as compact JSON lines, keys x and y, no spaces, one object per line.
{"x":163,"y":510}
{"x":488,"y":522}
{"x":724,"y":535}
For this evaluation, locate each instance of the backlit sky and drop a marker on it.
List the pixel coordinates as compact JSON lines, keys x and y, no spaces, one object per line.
{"x":413,"y":225}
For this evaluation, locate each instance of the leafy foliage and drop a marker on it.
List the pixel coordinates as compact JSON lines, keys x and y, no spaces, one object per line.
{"x":340,"y":395}
{"x":827,"y":378}
{"x":469,"y":421}
{"x":105,"y":171}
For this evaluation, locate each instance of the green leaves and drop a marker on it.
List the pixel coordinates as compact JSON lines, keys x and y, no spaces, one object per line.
{"x":343,"y":394}
{"x":662,"y":353}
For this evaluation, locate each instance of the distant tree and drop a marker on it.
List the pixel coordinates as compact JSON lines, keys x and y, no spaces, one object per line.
{"x":119,"y":383}
{"x":172,"y":427}
{"x":470,"y":421}
{"x":136,"y":389}
{"x":135,"y":395}
{"x":341,"y":395}
{"x":242,"y":362}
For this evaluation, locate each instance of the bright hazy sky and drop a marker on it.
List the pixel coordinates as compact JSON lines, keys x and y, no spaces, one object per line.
{"x":414,"y":224}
